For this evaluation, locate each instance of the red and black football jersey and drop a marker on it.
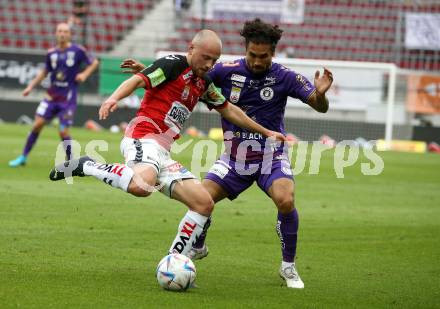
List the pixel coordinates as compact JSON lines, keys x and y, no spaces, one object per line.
{"x":172,"y":92}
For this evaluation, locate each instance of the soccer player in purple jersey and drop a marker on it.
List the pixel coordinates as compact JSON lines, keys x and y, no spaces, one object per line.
{"x":260,"y":87}
{"x":63,"y":63}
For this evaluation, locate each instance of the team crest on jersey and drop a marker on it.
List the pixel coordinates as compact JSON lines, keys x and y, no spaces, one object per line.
{"x":185,"y":93}
{"x":266,"y":93}
{"x":70,"y":58}
{"x":238,"y":78}
{"x":235,"y":94}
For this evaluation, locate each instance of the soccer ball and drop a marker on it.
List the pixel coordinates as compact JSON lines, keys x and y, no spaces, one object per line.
{"x":176,"y":272}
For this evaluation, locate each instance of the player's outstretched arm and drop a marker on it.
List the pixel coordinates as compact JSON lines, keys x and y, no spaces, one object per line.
{"x":318,"y":100}
{"x":35,"y":82}
{"x":236,"y":116}
{"x":132,"y":66}
{"x":81,"y":77}
{"x":123,"y":91}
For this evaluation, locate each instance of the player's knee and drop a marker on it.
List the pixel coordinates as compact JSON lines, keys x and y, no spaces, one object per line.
{"x":203,"y":204}
{"x":37,"y":128}
{"x":142,"y":184}
{"x":285,"y":204}
{"x":137,"y":190}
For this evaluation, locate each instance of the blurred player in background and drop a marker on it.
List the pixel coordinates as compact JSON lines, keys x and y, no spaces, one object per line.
{"x":174,"y":85}
{"x":260,"y":87}
{"x":63,"y":63}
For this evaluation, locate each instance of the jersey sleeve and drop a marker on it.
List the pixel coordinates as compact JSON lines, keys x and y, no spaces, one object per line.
{"x":161,"y":70}
{"x":298,"y":86}
{"x":86,"y":57}
{"x":47,"y":65}
{"x":213,"y":97}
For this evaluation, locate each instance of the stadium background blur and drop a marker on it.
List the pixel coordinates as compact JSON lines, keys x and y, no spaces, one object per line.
{"x":405,"y":33}
{"x":366,"y":241}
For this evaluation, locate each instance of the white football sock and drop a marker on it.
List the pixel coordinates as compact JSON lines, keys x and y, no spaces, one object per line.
{"x":190,"y":228}
{"x":115,"y":174}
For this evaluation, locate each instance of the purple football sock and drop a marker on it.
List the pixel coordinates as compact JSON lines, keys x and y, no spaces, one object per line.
{"x":287,"y":229}
{"x":200,"y":241}
{"x":67,"y":146}
{"x":31,"y":139}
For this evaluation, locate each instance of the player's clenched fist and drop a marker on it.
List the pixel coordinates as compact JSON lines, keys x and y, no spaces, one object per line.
{"x":109,"y":106}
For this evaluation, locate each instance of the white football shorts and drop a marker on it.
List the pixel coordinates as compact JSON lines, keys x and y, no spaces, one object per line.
{"x":148,"y":151}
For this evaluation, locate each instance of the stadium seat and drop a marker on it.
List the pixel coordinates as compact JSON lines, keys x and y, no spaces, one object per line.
{"x":32,"y":22}
{"x":339,"y":30}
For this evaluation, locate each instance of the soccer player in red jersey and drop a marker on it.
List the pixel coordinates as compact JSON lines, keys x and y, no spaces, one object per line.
{"x":174,"y":85}
{"x":260,"y":87}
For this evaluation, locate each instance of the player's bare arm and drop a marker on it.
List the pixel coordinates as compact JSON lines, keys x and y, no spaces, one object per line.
{"x":81,"y":77}
{"x":123,"y":91}
{"x":239,"y":118}
{"x":35,"y":82}
{"x":132,"y":66}
{"x":318,"y":100}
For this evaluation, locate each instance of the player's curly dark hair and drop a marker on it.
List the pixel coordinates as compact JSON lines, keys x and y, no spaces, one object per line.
{"x":257,"y":31}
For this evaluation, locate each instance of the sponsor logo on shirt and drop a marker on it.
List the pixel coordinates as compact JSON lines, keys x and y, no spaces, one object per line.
{"x":303,"y":81}
{"x":248,"y":135}
{"x":176,"y":116}
{"x":61,"y":84}
{"x":238,"y":84}
{"x":269,"y":81}
{"x":235,"y":94}
{"x":238,"y":78}
{"x":266,"y":93}
{"x":156,"y":77}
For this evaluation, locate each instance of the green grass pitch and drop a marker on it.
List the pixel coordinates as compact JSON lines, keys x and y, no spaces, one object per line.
{"x":364,"y":241}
